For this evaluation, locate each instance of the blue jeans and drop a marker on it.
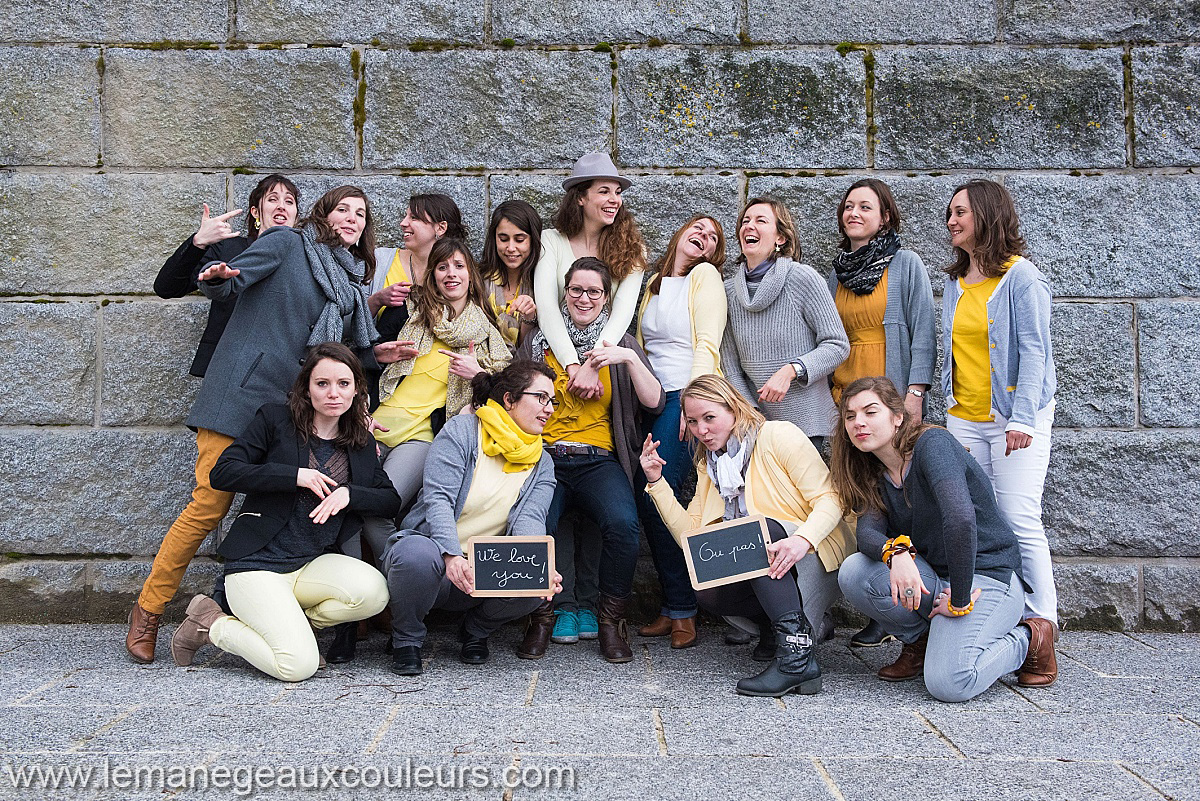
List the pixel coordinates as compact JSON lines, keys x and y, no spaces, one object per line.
{"x":599,"y":488}
{"x":678,"y":595}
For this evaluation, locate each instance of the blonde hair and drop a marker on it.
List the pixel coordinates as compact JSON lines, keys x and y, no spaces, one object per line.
{"x":715,"y":389}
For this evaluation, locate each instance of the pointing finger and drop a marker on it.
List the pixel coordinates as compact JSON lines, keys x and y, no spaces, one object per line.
{"x":228,"y":214}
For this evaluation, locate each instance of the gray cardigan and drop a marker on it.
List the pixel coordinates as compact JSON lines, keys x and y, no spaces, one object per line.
{"x":449,"y":470}
{"x":909,"y":324}
{"x":1023,"y":376}
{"x":791,"y":319}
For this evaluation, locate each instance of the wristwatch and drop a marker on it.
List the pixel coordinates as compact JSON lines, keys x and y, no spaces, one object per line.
{"x":919,"y":393}
{"x":801,"y":373}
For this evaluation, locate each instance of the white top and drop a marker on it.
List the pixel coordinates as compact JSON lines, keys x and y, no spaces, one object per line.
{"x":667,"y":333}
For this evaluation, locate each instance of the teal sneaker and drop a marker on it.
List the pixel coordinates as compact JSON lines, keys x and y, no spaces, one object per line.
{"x":566,"y":627}
{"x":589,"y":628}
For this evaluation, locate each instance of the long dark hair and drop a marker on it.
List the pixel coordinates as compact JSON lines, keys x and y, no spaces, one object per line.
{"x":997,"y":229}
{"x":352,"y":425}
{"x":856,"y":474}
{"x":526,"y":218}
{"x":667,"y":263}
{"x":261,"y":190}
{"x":364,"y":249}
{"x":436,"y":208}
{"x":622,"y":247}
{"x":888,"y":209}
{"x":511,"y":381}
{"x":430,"y":301}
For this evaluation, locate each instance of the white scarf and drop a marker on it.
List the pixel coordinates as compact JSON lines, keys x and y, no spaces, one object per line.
{"x":728,"y":473}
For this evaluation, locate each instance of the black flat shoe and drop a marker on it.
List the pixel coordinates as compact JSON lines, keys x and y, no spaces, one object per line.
{"x":474,"y":651}
{"x":871,"y":636}
{"x":345,"y":639}
{"x":406,"y":660}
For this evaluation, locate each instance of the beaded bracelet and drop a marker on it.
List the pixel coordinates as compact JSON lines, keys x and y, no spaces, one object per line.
{"x":959,"y":612}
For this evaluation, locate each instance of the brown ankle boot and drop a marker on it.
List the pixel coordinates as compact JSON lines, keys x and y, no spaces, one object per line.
{"x":614,"y":639}
{"x":143,"y":633}
{"x":537,"y":633}
{"x":661,"y":627}
{"x":683,"y":632}
{"x":192,"y":633}
{"x":910,"y":663}
{"x":1041,"y":665}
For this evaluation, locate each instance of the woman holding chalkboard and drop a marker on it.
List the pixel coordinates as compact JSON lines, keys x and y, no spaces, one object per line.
{"x":938,"y":565}
{"x":748,"y":466}
{"x":486,"y":474}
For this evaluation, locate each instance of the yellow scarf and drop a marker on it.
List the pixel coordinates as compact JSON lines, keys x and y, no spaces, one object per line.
{"x":502,"y":437}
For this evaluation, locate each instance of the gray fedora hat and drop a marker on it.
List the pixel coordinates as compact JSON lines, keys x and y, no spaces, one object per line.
{"x":594,"y":166}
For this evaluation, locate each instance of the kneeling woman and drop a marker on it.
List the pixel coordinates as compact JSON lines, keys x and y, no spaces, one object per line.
{"x":747,"y":466}
{"x":938,"y":566}
{"x":486,"y":475}
{"x":300,"y":465}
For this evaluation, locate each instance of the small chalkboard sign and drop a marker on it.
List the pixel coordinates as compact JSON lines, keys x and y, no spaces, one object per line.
{"x":727,"y":552}
{"x":511,"y":567}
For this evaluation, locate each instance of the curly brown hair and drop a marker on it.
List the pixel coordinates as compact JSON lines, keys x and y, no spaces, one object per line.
{"x":431,"y":303}
{"x":784,"y":226}
{"x":997,"y":229}
{"x":622,"y":247}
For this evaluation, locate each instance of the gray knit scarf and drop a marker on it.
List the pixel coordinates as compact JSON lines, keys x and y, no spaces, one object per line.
{"x":340,"y":277}
{"x":584,"y":339}
{"x":728,"y":473}
{"x":860,"y":270}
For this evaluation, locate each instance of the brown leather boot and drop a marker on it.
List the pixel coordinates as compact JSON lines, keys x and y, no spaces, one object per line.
{"x":537,"y":633}
{"x":683,"y":632}
{"x":614,"y":638}
{"x":143,"y":633}
{"x":192,"y":633}
{"x":1041,"y":665}
{"x":910,"y":663}
{"x":661,"y":627}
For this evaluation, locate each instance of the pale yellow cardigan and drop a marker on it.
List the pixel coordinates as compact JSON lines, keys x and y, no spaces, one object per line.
{"x":786,"y":480}
{"x":709,"y":309}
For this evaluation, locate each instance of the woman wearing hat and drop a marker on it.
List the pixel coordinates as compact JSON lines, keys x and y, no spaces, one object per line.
{"x":591,"y":221}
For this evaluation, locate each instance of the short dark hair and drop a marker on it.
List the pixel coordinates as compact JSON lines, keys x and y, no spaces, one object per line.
{"x":594,"y":265}
{"x":260,"y":190}
{"x":352,"y":425}
{"x":436,"y":208}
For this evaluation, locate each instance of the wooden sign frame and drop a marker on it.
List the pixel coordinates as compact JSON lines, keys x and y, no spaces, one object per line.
{"x":741,"y":521}
{"x":500,"y":542}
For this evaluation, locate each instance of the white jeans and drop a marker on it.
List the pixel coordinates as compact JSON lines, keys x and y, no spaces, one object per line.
{"x":272,"y":630}
{"x":1018,"y":480}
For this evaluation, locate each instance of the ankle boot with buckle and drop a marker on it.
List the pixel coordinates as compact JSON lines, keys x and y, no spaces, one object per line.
{"x":1040,"y":668}
{"x":143,"y":633}
{"x":345,"y":642}
{"x":794,"y":669}
{"x":192,"y":633}
{"x":910,"y":663}
{"x":537,"y":633}
{"x":614,"y":639}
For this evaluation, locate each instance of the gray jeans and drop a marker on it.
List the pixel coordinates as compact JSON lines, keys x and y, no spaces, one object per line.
{"x":417,"y":583}
{"x":967,"y":654}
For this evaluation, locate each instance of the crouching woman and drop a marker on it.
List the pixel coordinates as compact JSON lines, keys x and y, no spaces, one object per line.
{"x":938,"y":566}
{"x":486,"y":475}
{"x":301,"y":465}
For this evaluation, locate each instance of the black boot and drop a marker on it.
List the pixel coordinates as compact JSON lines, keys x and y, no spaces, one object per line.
{"x":871,"y":636}
{"x":406,"y":660}
{"x":794,"y":669}
{"x":765,"y":650}
{"x":345,"y":638}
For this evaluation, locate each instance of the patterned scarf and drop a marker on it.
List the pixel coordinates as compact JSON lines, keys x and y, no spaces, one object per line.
{"x":501,"y":436}
{"x":472,"y":325}
{"x":860,"y":270}
{"x":584,"y":339}
{"x":333,"y":269}
{"x":728,"y":473}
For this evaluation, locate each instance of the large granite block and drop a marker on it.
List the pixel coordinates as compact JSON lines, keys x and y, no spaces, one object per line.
{"x":1171,"y":602}
{"x":581,"y":22}
{"x":909,"y":21}
{"x":999,"y":107}
{"x":1169,"y":350}
{"x":81,"y":234}
{"x":49,"y":105}
{"x":491,"y":109}
{"x":48,"y":351}
{"x":1098,"y":236}
{"x":1167,"y":105}
{"x":1123,"y":493}
{"x":112,"y":21}
{"x":148,"y":348}
{"x":1098,"y":595}
{"x":1115,"y":21}
{"x":741,"y":108}
{"x":1094,"y":361}
{"x":376,"y":21}
{"x":294,"y":108}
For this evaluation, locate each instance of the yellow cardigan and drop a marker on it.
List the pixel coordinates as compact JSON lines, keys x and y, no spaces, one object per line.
{"x":709,"y":310}
{"x":786,"y":480}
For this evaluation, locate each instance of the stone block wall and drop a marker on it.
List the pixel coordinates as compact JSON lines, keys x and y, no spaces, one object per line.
{"x":119,"y":119}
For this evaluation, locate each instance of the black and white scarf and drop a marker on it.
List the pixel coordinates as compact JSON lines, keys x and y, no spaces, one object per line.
{"x":340,"y":277}
{"x":584,"y":339}
{"x":860,"y":270}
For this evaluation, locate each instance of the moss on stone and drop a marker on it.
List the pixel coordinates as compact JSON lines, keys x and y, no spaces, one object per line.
{"x":243,"y":171}
{"x":602,"y":47}
{"x":507,"y":44}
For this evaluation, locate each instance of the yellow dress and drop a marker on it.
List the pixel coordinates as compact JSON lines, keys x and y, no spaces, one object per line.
{"x":862,"y":316}
{"x":407,"y":412}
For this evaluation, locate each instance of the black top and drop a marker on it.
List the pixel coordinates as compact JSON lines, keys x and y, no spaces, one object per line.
{"x":178,"y":277}
{"x":948,"y":508}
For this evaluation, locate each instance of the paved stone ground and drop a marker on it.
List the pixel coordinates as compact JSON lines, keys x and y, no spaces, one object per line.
{"x":1123,"y":722}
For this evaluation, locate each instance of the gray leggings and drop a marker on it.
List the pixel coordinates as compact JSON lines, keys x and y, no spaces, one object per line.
{"x":405,"y":466}
{"x":967,"y":654}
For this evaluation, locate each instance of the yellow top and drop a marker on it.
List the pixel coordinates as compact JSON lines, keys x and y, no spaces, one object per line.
{"x":970,"y":344}
{"x":786,"y":480}
{"x":710,"y":312}
{"x":395,"y":274}
{"x":491,"y":497}
{"x":588,"y":422}
{"x":419,"y":395}
{"x":862,"y":316}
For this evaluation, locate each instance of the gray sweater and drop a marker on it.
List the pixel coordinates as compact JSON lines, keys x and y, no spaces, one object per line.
{"x":791,"y":319}
{"x":449,"y":470}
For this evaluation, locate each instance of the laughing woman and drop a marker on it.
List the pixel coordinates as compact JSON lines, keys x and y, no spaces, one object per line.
{"x":308,"y":470}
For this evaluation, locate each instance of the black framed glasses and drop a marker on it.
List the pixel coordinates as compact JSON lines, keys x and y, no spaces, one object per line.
{"x":578,"y":292}
{"x":543,"y":399}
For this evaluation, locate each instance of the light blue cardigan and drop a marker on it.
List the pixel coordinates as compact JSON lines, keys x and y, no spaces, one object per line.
{"x":1023,"y":377}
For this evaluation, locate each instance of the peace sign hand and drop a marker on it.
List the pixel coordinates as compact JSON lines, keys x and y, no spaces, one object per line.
{"x":652,"y":463}
{"x":214,"y":229}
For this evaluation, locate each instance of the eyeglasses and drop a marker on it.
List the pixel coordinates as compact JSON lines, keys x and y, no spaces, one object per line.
{"x":579,"y":292}
{"x":543,"y":399}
